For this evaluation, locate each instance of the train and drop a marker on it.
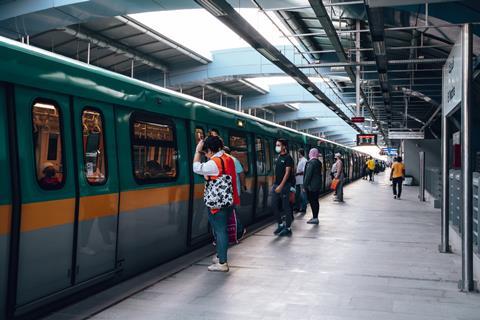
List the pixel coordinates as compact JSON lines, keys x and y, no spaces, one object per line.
{"x":97,"y":183}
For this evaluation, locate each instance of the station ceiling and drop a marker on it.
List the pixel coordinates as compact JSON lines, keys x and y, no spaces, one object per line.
{"x":403,"y":46}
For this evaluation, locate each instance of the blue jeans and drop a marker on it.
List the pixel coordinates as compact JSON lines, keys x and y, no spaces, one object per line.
{"x":219,"y":222}
{"x":300,"y":198}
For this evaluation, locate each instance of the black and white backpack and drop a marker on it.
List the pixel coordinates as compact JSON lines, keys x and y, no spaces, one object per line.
{"x":219,"y":192}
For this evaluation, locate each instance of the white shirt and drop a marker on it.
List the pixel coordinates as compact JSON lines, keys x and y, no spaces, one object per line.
{"x":208,"y":168}
{"x":300,"y":169}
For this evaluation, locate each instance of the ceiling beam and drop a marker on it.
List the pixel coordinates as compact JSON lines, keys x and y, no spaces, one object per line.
{"x":224,"y":12}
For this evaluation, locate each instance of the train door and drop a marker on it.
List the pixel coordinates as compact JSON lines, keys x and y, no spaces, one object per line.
{"x":199,"y":229}
{"x":5,"y":201}
{"x":261,"y":173}
{"x":97,"y":219}
{"x":240,"y":144}
{"x":48,"y":193}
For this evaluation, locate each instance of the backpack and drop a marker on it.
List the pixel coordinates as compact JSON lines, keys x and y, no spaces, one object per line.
{"x":219,"y":192}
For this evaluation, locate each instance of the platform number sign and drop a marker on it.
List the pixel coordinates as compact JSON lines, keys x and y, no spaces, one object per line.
{"x":367,"y":139}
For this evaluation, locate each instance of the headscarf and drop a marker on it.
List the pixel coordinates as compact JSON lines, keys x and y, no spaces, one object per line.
{"x":313,"y":154}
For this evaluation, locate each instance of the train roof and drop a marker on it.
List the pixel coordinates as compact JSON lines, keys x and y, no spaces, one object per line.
{"x":6,"y":43}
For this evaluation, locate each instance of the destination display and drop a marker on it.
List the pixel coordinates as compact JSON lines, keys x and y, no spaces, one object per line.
{"x":369,"y":139}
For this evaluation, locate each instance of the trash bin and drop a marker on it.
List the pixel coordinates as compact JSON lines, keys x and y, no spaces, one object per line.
{"x":408,"y":181}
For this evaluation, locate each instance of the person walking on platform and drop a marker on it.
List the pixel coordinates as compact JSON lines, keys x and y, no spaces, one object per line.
{"x":397,"y":175}
{"x":371,"y":168}
{"x":300,"y":196}
{"x":340,"y":176}
{"x":281,"y":189}
{"x":221,"y":193}
{"x":312,"y":183}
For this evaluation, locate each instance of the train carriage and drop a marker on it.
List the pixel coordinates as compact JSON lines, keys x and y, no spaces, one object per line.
{"x":96,"y":173}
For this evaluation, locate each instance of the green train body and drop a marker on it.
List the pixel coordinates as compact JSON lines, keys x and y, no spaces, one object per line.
{"x":58,"y":240}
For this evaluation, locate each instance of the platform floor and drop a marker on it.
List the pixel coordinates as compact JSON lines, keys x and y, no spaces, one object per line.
{"x":371,"y":257}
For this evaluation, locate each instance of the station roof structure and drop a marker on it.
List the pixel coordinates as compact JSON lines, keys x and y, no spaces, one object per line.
{"x":395,"y":48}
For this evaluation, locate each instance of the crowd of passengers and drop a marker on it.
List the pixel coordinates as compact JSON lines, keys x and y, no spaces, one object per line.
{"x":293,"y":188}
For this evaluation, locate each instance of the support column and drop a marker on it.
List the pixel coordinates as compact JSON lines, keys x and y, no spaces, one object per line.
{"x":357,"y":75}
{"x":445,"y":242}
{"x":467,"y":244}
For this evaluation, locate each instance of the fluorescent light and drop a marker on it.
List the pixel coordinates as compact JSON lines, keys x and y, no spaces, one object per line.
{"x":212,"y":8}
{"x":45,"y":106}
{"x":310,"y":89}
{"x":267,"y":54}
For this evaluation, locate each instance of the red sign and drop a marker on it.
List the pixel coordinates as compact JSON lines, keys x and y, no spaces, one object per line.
{"x":358,"y":119}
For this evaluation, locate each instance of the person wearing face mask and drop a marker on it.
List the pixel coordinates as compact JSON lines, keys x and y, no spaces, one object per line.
{"x":312,"y":183}
{"x":217,"y":167}
{"x":281,"y":189}
{"x":340,"y":176}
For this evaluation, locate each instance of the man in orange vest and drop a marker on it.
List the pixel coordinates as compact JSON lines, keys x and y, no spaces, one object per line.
{"x":219,"y":164}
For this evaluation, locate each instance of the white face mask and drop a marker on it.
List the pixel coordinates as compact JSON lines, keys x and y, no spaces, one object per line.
{"x":278,"y":149}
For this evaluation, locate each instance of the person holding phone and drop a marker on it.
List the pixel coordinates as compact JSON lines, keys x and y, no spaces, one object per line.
{"x":397,"y":175}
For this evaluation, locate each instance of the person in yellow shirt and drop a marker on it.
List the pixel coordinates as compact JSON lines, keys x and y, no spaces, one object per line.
{"x":397,"y":175}
{"x":371,"y":168}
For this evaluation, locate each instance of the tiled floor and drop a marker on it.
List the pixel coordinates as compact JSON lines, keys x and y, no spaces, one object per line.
{"x":372,"y":257}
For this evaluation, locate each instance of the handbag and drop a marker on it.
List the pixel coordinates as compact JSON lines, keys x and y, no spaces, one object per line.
{"x":334,"y":184}
{"x":219,"y":192}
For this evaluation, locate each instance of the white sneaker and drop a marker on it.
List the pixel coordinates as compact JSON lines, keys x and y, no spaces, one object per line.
{"x":215,"y":260}
{"x":219,"y":267}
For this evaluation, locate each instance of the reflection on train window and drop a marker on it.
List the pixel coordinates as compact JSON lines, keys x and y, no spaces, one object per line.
{"x":154,"y":156}
{"x":199,"y":135}
{"x":260,"y":156}
{"x":239,"y":148}
{"x":47,"y":139}
{"x":268,"y":155}
{"x":94,"y":147}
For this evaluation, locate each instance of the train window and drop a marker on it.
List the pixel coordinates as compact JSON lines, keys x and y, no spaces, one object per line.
{"x":154,"y":150}
{"x":260,"y":156}
{"x":199,"y":135}
{"x":94,"y":147}
{"x":268,"y":155}
{"x":239,"y":148}
{"x":47,"y":138}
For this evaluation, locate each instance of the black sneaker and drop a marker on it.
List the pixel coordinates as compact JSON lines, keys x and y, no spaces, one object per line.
{"x":286,"y":232}
{"x":279,"y":229}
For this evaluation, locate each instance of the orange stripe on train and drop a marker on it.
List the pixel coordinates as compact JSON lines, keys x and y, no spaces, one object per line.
{"x":98,"y":206}
{"x":39,"y":215}
{"x":5,"y":219}
{"x":146,"y":198}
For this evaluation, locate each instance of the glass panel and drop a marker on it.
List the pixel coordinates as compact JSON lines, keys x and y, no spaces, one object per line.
{"x":268,"y":155}
{"x":154,"y":155}
{"x":260,"y":156}
{"x":48,"y":145}
{"x":199,"y":135}
{"x":94,"y":147}
{"x":238,"y":146}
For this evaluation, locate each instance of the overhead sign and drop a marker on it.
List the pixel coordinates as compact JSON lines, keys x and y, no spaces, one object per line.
{"x":358,"y":119}
{"x":452,"y":78}
{"x":406,"y":135}
{"x":390,"y":151}
{"x":369,"y":139}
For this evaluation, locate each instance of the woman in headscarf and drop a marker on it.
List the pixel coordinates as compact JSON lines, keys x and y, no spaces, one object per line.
{"x":312,"y":182}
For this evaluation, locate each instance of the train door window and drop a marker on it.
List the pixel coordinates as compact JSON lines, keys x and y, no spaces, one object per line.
{"x":268,"y":155}
{"x":239,"y":149}
{"x":154,"y":150}
{"x":94,"y":147}
{"x":47,"y":138}
{"x":259,"y":149}
{"x":199,"y":135}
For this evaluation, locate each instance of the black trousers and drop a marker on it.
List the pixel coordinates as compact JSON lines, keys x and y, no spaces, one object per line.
{"x":397,"y":183}
{"x":312,"y":197}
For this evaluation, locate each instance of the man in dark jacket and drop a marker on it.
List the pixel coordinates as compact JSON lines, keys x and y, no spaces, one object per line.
{"x":312,"y":183}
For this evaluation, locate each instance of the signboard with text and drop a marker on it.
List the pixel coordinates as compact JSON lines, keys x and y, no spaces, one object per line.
{"x":369,"y":139}
{"x":406,"y":135}
{"x":452,"y":79}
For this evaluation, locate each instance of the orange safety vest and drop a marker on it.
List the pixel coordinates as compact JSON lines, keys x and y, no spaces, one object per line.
{"x":230,"y":170}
